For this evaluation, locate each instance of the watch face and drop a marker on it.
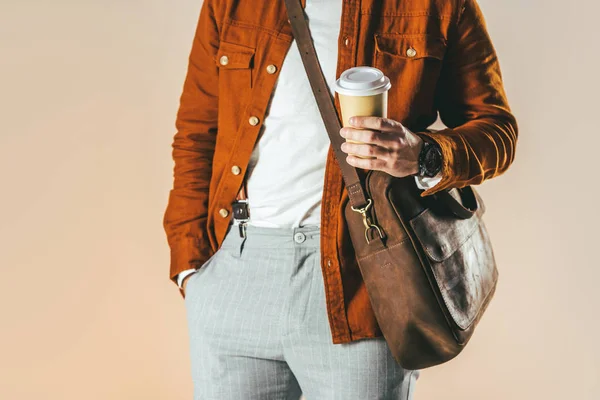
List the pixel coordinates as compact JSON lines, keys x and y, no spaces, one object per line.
{"x":432,"y":161}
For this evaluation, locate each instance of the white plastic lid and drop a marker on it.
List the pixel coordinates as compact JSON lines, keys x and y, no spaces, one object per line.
{"x":362,"y":81}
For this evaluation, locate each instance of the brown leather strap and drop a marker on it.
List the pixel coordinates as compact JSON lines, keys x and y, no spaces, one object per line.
{"x":326,"y":105}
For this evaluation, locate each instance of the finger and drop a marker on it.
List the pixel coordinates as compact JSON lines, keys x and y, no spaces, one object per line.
{"x":378,"y":123}
{"x":384,"y":139}
{"x":366,"y":163}
{"x":365,"y":149}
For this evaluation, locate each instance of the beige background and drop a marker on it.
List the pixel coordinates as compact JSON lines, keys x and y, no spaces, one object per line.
{"x":88,"y":96}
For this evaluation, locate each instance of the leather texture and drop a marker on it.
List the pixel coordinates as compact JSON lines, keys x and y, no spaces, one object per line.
{"x":427,"y":263}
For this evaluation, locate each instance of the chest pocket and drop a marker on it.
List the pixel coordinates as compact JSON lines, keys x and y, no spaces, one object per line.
{"x":409,"y":47}
{"x":413,"y":63}
{"x":235,"y":62}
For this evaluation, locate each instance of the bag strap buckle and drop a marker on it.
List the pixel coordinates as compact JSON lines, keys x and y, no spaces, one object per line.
{"x":367,"y":221}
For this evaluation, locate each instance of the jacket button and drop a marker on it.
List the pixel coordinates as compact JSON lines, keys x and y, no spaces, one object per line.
{"x":224,"y":60}
{"x":224,"y":213}
{"x":411,"y":52}
{"x":253,"y":120}
{"x":236,"y":170}
{"x":271,"y":69}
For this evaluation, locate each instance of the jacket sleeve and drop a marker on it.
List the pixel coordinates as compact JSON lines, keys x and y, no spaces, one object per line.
{"x":481,"y":135}
{"x":192,"y":149}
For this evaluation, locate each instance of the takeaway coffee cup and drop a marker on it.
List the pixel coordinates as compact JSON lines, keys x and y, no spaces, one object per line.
{"x":363,"y":91}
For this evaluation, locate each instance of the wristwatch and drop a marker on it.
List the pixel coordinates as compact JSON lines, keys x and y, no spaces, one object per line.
{"x":430,"y":159}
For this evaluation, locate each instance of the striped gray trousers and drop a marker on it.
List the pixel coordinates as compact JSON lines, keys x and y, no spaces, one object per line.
{"x":258,"y":326}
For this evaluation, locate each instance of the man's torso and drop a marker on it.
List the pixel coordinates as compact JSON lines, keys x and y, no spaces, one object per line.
{"x":255,"y":36}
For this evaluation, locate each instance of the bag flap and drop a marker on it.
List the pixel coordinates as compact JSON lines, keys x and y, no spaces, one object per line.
{"x":461,"y":260}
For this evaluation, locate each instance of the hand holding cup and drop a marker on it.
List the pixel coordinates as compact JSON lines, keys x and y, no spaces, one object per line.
{"x":372,"y":140}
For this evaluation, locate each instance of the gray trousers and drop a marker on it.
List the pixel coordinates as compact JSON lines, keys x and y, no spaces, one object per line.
{"x":258,"y":327}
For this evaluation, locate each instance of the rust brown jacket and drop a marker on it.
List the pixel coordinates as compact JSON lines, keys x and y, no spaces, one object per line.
{"x":237,"y":51}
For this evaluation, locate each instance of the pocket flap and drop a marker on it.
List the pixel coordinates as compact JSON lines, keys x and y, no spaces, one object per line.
{"x":411,"y":47}
{"x":234,"y":56}
{"x":442,"y":235}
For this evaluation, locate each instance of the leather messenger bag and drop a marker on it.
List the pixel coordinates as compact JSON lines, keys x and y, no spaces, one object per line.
{"x":427,"y":262}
